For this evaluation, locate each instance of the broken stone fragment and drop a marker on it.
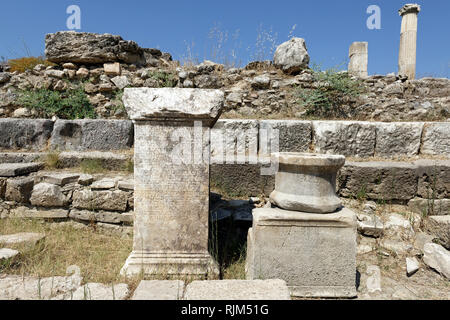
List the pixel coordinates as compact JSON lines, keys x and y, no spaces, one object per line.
{"x":7,"y":254}
{"x":412,"y":266}
{"x":292,"y":56}
{"x":48,"y":195}
{"x":19,"y":190}
{"x":436,"y":257}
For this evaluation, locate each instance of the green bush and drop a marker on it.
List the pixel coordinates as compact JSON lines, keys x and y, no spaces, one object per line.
{"x":164,"y":79}
{"x":334,"y":90}
{"x":70,"y":104}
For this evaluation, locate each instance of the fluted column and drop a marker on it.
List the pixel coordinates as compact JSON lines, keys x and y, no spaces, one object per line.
{"x":408,"y":41}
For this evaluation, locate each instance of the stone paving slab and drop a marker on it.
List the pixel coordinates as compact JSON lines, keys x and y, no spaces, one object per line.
{"x":99,"y":291}
{"x":19,"y":169}
{"x":237,"y":290}
{"x":19,"y":238}
{"x":159,"y":290}
{"x":6,"y":254}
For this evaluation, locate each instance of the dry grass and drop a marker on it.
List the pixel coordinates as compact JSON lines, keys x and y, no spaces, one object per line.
{"x":28,"y":63}
{"x":235,"y":270}
{"x":51,"y":160}
{"x":99,"y":256}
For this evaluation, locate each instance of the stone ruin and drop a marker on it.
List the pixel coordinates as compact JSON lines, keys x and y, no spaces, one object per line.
{"x":303,"y":235}
{"x":307,"y":238}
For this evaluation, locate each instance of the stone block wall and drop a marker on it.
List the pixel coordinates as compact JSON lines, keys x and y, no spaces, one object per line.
{"x":361,"y":139}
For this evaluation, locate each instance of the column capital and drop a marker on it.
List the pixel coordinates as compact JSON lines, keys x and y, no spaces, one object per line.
{"x":174,"y":104}
{"x":409,"y":8}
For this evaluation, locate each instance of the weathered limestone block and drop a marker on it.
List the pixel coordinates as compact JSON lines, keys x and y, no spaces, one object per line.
{"x":107,"y":160}
{"x":226,"y":290}
{"x":294,"y":135}
{"x":437,"y":258}
{"x":48,"y":195}
{"x":434,"y":178}
{"x":19,"y":169}
{"x":159,"y":290}
{"x":292,"y":56}
{"x":21,"y":238}
{"x":126,"y":185}
{"x":397,"y":138}
{"x":440,"y":227}
{"x":30,"y":288}
{"x":19,"y":190}
{"x":172,"y":155}
{"x":99,"y":291}
{"x":85,"y":179}
{"x":306,"y":182}
{"x":45,"y":214}
{"x":60,"y":179}
{"x":232,"y":141}
{"x":241,"y":179}
{"x":79,"y":135}
{"x":120,"y":82}
{"x":91,"y":216}
{"x":100,"y":200}
{"x":348,"y":138}
{"x":30,"y":134}
{"x":378,"y":180}
{"x":359,"y":58}
{"x":91,"y":48}
{"x":318,"y":256}
{"x":112,"y":69}
{"x":104,"y":184}
{"x":436,"y":139}
{"x":430,"y":207}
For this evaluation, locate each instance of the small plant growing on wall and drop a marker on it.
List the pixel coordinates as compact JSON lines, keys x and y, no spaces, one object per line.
{"x":334,"y":91}
{"x":69,"y":104}
{"x":163,"y":79}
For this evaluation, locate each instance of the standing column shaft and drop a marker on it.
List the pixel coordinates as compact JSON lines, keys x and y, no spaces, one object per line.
{"x":408,"y":41}
{"x":359,"y":57}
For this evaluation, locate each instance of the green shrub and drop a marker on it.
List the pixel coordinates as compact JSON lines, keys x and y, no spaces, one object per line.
{"x":70,"y":104}
{"x":164,"y":79}
{"x":27,"y":63}
{"x":334,"y":90}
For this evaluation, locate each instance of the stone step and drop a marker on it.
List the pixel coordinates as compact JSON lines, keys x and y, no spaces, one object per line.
{"x":212,"y":290}
{"x":70,"y":159}
{"x":19,"y":169}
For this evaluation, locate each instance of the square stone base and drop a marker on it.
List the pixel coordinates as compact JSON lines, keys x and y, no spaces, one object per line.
{"x":191,"y":265}
{"x":314,"y":253}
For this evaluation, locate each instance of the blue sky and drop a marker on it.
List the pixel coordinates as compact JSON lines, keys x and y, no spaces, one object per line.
{"x":328,"y":26}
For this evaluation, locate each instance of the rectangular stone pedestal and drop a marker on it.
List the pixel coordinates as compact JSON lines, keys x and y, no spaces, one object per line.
{"x":171,"y":197}
{"x":314,"y":253}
